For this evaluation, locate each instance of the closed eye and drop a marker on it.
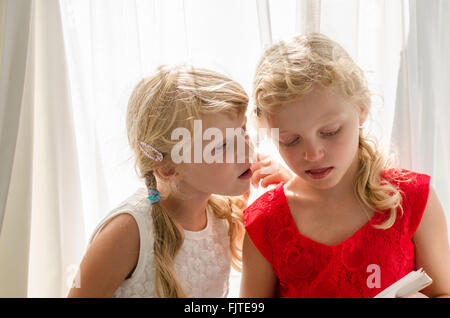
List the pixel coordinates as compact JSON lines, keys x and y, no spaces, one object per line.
{"x":327,"y":134}
{"x":295,"y":141}
{"x":332,"y":133}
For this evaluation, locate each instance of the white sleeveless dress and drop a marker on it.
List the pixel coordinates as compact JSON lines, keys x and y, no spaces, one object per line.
{"x":202,"y":264}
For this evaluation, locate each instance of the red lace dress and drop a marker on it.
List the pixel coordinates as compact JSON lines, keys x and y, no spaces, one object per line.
{"x":306,"y":268}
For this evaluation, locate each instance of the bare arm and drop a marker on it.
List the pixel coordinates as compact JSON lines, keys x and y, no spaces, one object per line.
{"x":111,"y":257}
{"x":432,"y":250}
{"x":258,"y":278}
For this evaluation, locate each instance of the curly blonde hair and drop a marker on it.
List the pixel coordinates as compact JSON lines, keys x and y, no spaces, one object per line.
{"x":174,"y":97}
{"x":290,"y":70}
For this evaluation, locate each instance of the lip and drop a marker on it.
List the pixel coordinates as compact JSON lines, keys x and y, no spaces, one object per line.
{"x":247,"y":174}
{"x":318,"y":169}
{"x":320,"y":175}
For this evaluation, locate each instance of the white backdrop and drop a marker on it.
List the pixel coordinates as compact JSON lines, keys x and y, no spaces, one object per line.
{"x":87,"y":55}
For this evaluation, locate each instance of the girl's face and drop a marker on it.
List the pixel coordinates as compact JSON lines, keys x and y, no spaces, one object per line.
{"x":224,"y":178}
{"x":319,"y":136}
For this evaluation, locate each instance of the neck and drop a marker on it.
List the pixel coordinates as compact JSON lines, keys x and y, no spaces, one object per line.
{"x":189,"y":212}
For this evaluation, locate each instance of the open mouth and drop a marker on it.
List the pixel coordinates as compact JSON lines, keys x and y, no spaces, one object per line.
{"x":319,"y":173}
{"x":314,"y":171}
{"x":246,"y":174}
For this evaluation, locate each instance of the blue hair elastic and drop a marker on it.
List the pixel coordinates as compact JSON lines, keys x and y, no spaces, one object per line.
{"x":153,"y":196}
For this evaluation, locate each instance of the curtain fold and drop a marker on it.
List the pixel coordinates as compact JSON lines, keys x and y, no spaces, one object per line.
{"x":2,"y":27}
{"x":15,"y":36}
{"x":265,"y":29}
{"x":308,"y":16}
{"x":57,"y":216}
{"x":43,"y":235}
{"x":15,"y":141}
{"x":421,"y":134}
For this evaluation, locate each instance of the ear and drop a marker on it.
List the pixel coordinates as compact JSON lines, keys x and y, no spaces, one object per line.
{"x":167,"y":173}
{"x":363,"y":112}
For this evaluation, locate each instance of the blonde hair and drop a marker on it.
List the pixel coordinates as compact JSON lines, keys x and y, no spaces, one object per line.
{"x":289,"y":71}
{"x":174,"y":97}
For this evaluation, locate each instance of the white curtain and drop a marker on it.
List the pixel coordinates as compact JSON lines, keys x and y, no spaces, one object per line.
{"x":42,"y":231}
{"x":421,"y":135}
{"x":15,"y":142}
{"x":68,"y":162}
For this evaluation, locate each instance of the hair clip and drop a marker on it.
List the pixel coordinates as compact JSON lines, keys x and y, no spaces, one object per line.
{"x":150,"y":152}
{"x":153,"y":196}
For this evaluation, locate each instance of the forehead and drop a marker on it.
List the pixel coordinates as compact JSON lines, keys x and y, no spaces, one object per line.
{"x":316,"y":108}
{"x":223,"y":121}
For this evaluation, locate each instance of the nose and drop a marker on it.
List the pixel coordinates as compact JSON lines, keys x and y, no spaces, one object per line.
{"x":244,"y":149}
{"x":249,"y":150}
{"x":313,"y":152}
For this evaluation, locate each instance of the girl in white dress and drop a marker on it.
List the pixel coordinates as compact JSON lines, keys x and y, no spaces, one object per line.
{"x":179,"y":236}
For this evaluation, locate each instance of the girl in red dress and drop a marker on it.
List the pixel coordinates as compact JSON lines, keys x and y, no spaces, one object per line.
{"x":347,"y":224}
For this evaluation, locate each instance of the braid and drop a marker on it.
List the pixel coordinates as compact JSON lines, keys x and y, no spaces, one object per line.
{"x":167,"y":242}
{"x":150,"y":180}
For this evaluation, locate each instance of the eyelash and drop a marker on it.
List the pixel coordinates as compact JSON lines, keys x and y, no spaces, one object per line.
{"x":330,"y":134}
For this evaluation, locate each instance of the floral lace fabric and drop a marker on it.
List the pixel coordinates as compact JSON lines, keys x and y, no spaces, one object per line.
{"x":306,"y":268}
{"x":202,"y":264}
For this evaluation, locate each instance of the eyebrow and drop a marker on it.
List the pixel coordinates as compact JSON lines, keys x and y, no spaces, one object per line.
{"x":322,"y":119}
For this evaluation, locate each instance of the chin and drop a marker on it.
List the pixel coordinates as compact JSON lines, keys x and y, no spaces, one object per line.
{"x":237,"y":193}
{"x":327,"y":184}
{"x":238,"y":190}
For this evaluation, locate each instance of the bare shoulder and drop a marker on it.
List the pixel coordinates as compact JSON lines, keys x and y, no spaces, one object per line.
{"x":123,"y":226}
{"x":433,"y":219}
{"x":110,"y":259}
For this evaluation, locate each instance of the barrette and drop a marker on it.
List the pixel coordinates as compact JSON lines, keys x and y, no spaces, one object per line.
{"x":150,"y":152}
{"x":153,"y":196}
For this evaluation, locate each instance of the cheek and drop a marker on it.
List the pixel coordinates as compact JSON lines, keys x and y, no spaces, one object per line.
{"x":345,"y":147}
{"x":291,"y":156}
{"x":220,"y":171}
{"x":215,"y":175}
